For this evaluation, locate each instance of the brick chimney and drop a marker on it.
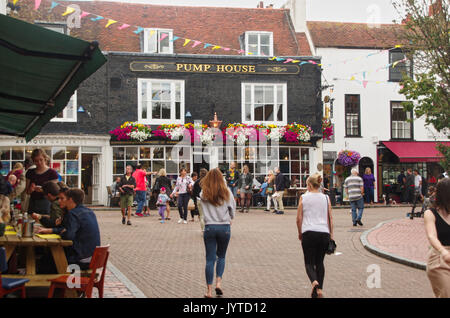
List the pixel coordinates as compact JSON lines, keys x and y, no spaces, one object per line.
{"x":297,"y":9}
{"x":260,"y":5}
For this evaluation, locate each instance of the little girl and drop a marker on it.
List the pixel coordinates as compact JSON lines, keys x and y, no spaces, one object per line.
{"x":162,"y":199}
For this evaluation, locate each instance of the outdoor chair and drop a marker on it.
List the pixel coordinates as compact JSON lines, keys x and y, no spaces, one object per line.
{"x":99,"y":260}
{"x":10,"y":285}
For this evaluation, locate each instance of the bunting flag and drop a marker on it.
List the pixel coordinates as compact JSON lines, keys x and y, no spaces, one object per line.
{"x":163,"y":36}
{"x":124,"y":26}
{"x":303,"y":63}
{"x":69,"y":10}
{"x":240,"y":51}
{"x":15,"y":1}
{"x":139,"y":30}
{"x":216,"y":47}
{"x":207,"y":45}
{"x":152,"y":32}
{"x":196,"y":43}
{"x":84,"y":14}
{"x":365,"y":83}
{"x":352,"y":78}
{"x":272,"y":58}
{"x":174,"y":38}
{"x":109,"y":23}
{"x":97,"y":18}
{"x":226,"y":48}
{"x":279,"y":59}
{"x":54,"y":5}
{"x":287,"y":61}
{"x":186,"y":41}
{"x":37,"y":4}
{"x":296,"y":61}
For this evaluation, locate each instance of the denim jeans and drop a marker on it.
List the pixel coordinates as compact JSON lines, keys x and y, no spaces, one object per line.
{"x":216,"y":238}
{"x":359,"y":204}
{"x":140,"y":198}
{"x":369,"y":195}
{"x":183,"y":202}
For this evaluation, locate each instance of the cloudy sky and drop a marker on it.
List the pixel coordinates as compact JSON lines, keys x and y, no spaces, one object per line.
{"x":380,"y":11}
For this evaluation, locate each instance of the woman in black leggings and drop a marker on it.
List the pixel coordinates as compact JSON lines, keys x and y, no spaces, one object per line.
{"x":315,"y":229}
{"x":182,"y":192}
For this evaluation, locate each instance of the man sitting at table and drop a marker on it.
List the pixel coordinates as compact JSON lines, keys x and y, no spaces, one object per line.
{"x":81,"y":228}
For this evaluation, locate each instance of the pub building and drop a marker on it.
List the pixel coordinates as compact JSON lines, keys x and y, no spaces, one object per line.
{"x":155,"y":79}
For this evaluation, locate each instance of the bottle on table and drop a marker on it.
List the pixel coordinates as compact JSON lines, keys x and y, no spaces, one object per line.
{"x":20,"y":225}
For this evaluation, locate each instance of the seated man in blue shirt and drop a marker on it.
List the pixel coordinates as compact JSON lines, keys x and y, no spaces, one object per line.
{"x":81,"y":228}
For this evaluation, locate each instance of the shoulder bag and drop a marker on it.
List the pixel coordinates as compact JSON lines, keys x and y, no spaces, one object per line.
{"x":331,"y":244}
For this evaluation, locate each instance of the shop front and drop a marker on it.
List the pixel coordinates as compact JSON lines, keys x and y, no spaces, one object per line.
{"x":396,"y":157}
{"x":77,"y":159}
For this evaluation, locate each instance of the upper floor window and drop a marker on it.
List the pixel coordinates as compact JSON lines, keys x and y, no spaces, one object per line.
{"x":69,"y":113}
{"x":264,"y":103}
{"x":259,"y":43}
{"x":158,"y":41}
{"x":401,"y":124}
{"x":352,"y":116}
{"x":160,"y":101}
{"x":396,"y":73}
{"x":54,"y":26}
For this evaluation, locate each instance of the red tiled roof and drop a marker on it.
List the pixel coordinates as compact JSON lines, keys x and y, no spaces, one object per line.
{"x":303,"y":43}
{"x":214,"y":25}
{"x":355,"y":35}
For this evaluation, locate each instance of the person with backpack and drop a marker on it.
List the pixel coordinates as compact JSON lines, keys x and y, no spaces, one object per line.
{"x":280,"y":185}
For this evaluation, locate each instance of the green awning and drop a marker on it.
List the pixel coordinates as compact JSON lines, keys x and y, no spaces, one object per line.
{"x":40,"y":70}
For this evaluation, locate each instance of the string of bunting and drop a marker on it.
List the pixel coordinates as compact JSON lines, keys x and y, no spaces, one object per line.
{"x":364,"y":83}
{"x":138,"y":29}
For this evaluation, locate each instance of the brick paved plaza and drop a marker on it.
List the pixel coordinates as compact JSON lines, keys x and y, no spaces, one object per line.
{"x":264,"y":258}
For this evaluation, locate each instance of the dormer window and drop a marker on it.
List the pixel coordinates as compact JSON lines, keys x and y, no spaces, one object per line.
{"x":158,"y":41}
{"x":259,"y":43}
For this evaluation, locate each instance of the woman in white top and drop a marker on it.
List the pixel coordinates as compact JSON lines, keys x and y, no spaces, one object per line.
{"x":314,"y":231}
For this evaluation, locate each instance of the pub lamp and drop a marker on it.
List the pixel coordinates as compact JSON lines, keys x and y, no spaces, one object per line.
{"x":215,"y":123}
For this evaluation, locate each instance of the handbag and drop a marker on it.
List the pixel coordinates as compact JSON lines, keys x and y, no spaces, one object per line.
{"x":269,"y":190}
{"x":191,"y":205}
{"x":331,"y":244}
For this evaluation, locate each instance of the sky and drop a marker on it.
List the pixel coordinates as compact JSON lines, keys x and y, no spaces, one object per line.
{"x":371,"y":11}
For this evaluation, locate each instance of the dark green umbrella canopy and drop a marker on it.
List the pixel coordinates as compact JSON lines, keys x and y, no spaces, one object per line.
{"x":40,"y":70}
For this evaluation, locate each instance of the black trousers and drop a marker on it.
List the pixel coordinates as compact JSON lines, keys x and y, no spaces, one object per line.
{"x":183,"y":201}
{"x":314,"y":246}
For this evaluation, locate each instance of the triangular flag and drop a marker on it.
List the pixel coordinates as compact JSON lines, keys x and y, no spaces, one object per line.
{"x":352,"y":78}
{"x":139,"y":30}
{"x":196,"y":43}
{"x":174,"y":38}
{"x":152,"y":32}
{"x":398,"y":46}
{"x":303,"y":63}
{"x":37,"y":4}
{"x":97,"y":18}
{"x":377,"y":82}
{"x":250,"y":53}
{"x":241,"y":51}
{"x":287,"y":61}
{"x":279,"y":59}
{"x":69,"y":10}
{"x":84,"y":14}
{"x":124,"y":26}
{"x":110,"y":21}
{"x":207,"y":45}
{"x":272,"y":58}
{"x":15,"y":1}
{"x":163,"y":36}
{"x":226,"y":48}
{"x":296,"y":61}
{"x":365,"y":83}
{"x":54,"y":4}
{"x":364,"y":75}
{"x":216,"y":47}
{"x":395,"y":63}
{"x":186,"y":41}
{"x":312,"y":62}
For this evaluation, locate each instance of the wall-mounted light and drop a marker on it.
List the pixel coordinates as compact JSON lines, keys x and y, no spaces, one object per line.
{"x":215,"y":123}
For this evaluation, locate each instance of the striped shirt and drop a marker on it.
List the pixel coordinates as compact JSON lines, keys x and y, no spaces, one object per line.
{"x":353,"y":184}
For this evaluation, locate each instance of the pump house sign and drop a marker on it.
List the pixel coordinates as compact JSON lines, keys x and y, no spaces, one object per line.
{"x":142,"y":66}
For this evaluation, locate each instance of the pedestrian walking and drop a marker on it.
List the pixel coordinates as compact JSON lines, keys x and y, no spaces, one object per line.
{"x":418,"y":182}
{"x":409,"y":186}
{"x":437,"y":226}
{"x":369,"y":186}
{"x":182,"y":192}
{"x":280,"y":185}
{"x":401,"y":180}
{"x":140,"y":175}
{"x":354,"y":187}
{"x":315,"y":230}
{"x":244,"y":186}
{"x":232,"y":177}
{"x":194,"y":211}
{"x":196,"y":195}
{"x":35,"y":179}
{"x":163,"y":181}
{"x":270,"y":191}
{"x":161,"y":203}
{"x":126,"y":189}
{"x":219,"y":208}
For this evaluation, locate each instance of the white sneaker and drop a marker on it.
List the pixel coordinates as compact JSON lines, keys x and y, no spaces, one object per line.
{"x":184,"y":222}
{"x":180,"y":220}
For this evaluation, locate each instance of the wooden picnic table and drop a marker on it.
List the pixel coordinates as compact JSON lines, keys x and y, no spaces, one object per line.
{"x":12,"y":242}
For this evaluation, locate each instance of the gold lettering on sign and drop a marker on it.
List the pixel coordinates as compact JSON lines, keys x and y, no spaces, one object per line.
{"x":179,"y":67}
{"x":251,"y":69}
{"x":220,"y":68}
{"x":154,"y":66}
{"x":198,"y":67}
{"x":207,"y":67}
{"x":277,"y":69}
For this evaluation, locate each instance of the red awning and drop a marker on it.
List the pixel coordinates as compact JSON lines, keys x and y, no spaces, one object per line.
{"x":415,"y":151}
